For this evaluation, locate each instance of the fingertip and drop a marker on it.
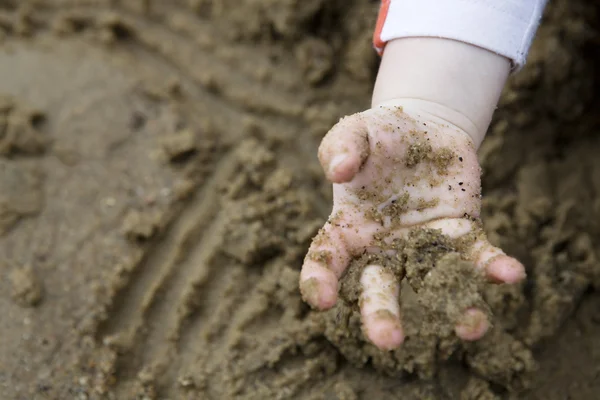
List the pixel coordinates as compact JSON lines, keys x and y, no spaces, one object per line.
{"x":384,"y":330}
{"x":343,"y":168}
{"x":320,"y":294}
{"x":380,"y":309}
{"x":344,"y":149}
{"x":505,"y":269}
{"x":324,"y":263}
{"x":473,"y":325}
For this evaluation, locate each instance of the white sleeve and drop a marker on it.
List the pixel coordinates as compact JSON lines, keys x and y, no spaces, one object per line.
{"x":505,"y":27}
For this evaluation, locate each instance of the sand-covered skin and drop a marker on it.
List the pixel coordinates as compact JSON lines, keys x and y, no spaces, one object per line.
{"x":160,"y":187}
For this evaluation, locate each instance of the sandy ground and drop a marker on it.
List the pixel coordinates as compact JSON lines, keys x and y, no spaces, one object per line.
{"x":159,"y":187}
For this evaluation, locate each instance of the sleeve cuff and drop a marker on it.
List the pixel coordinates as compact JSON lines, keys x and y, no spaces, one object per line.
{"x":505,"y":27}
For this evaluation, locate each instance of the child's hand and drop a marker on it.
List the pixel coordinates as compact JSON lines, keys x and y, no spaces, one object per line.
{"x":394,"y":170}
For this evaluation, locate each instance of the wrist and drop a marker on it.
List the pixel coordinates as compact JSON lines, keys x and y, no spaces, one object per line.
{"x":440,"y":114}
{"x":453,"y":82}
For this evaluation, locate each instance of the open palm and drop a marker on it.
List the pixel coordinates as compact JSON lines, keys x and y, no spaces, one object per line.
{"x":395,"y":170}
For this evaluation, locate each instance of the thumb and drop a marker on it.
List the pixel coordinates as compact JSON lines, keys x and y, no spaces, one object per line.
{"x":344,"y":149}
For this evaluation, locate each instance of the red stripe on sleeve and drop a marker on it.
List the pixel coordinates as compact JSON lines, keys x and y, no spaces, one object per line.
{"x":383,"y":11}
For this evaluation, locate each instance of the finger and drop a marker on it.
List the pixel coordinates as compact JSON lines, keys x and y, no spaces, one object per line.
{"x":325,"y":262}
{"x":473,"y":325}
{"x":344,"y":149}
{"x":497,"y":265}
{"x":380,"y":309}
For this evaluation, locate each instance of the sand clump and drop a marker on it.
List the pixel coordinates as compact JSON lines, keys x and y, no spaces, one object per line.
{"x":162,"y":203}
{"x":21,"y":193}
{"x":440,"y":286}
{"x":26,"y":287}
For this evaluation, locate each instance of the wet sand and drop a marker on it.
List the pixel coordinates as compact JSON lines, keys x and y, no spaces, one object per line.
{"x":159,"y":188}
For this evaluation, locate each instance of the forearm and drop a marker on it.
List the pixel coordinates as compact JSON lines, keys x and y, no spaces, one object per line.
{"x":451,"y":58}
{"x":451,"y":80}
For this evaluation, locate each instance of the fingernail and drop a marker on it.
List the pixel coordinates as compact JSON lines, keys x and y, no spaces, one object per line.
{"x":337,"y":160}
